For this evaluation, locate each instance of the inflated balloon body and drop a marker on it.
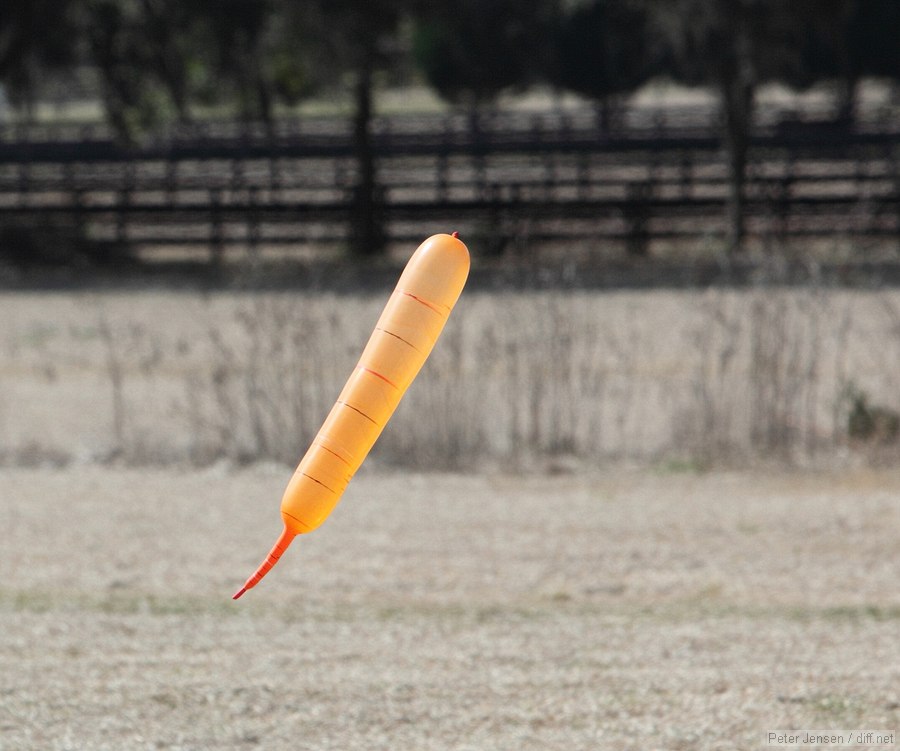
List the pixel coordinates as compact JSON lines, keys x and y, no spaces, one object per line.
{"x":403,"y":338}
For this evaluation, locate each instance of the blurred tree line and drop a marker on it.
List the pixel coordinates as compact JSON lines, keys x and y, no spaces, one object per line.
{"x":157,"y":61}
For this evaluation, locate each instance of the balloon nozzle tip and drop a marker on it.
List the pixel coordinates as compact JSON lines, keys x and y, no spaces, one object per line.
{"x":270,"y":560}
{"x":455,"y":234}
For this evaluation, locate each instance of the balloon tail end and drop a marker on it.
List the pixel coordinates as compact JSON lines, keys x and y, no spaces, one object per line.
{"x":270,"y":560}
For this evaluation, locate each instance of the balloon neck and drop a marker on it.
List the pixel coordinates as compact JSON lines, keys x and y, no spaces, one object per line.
{"x":284,"y":540}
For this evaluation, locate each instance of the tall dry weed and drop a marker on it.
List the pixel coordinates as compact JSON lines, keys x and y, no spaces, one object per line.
{"x":762,"y":374}
{"x":271,"y":373}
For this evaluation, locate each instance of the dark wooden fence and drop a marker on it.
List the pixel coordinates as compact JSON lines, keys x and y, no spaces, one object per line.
{"x":660,"y":176}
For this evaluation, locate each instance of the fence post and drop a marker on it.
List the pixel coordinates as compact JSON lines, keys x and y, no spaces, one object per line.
{"x":442,"y":181}
{"x":217,"y":238}
{"x":171,"y":180}
{"x":23,"y":181}
{"x":584,"y":175}
{"x":124,"y":205}
{"x":76,"y":196}
{"x":894,"y":160}
{"x":783,"y":200}
{"x":253,"y":223}
{"x":637,"y":213}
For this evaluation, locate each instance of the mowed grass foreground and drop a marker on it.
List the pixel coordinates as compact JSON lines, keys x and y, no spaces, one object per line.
{"x":620,"y":609}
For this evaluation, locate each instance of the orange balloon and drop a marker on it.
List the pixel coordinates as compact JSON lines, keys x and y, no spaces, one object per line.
{"x":403,"y":338}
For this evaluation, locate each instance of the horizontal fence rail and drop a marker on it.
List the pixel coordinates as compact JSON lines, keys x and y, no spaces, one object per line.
{"x":655,"y":176}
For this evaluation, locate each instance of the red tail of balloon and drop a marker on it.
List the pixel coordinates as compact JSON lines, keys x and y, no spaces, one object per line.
{"x":270,"y":560}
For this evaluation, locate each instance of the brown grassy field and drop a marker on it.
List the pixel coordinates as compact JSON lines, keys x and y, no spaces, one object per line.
{"x":624,"y":609}
{"x":590,"y":575}
{"x":519,"y":379}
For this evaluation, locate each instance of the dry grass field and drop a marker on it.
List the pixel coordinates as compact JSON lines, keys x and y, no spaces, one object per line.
{"x":519,"y":379}
{"x":624,"y":609}
{"x":600,"y":554}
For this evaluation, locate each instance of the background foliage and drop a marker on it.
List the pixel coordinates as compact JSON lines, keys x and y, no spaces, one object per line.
{"x":156,"y":61}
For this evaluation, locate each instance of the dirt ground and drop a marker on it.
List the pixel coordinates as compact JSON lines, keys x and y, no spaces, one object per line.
{"x":626,"y":609}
